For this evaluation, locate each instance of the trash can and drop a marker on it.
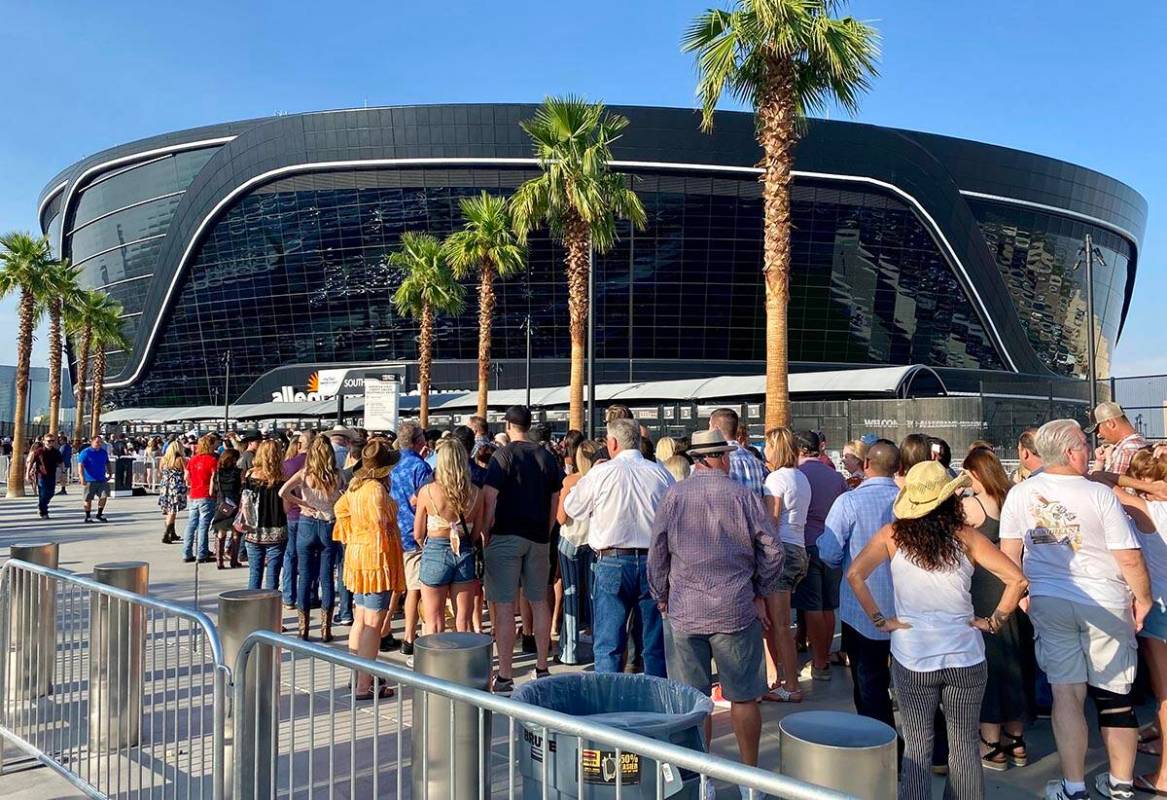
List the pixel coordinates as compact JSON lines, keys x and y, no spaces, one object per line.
{"x":842,"y":751}
{"x":650,"y":706}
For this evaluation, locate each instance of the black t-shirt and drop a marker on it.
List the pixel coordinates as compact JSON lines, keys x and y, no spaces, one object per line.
{"x":526,"y":476}
{"x":49,"y":460}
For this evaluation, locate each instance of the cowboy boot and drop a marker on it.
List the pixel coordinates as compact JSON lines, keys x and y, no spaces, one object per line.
{"x":304,"y":625}
{"x":220,"y":550}
{"x":325,"y":625}
{"x":235,"y":546}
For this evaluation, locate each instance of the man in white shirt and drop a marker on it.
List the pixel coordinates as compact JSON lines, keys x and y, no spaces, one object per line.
{"x":620,"y":497}
{"x":1082,"y":558}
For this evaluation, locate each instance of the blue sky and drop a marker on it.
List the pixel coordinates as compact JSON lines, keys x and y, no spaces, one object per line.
{"x":1069,"y":79}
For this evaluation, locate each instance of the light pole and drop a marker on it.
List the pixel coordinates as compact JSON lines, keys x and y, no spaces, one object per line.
{"x":226,"y":390}
{"x":1086,"y":255}
{"x":591,"y":338}
{"x":527,"y":327}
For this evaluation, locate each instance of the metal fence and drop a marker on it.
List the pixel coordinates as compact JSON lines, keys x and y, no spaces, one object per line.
{"x":121,"y":693}
{"x":1144,"y":399}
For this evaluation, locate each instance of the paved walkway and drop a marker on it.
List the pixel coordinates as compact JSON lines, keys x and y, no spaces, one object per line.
{"x":134,"y":532}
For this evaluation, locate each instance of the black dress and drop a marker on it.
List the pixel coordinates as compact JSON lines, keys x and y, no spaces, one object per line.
{"x":1009,"y":652}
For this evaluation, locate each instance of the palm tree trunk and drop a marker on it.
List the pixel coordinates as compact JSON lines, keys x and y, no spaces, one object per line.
{"x":485,"y":324}
{"x":777,"y":135}
{"x":23,"y":354}
{"x":98,"y":391}
{"x":54,"y":367}
{"x":82,"y":377}
{"x":425,"y":343}
{"x":576,"y":241}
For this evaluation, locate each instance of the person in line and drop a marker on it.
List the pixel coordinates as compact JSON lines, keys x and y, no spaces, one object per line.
{"x":853,"y":521}
{"x":521,"y":497}
{"x":854,"y":455}
{"x":913,"y":449}
{"x":226,"y":488}
{"x":465,"y":436}
{"x":66,"y":463}
{"x":445,"y":527}
{"x":46,"y":465}
{"x":93,"y":471}
{"x":172,"y":490}
{"x":374,"y":565}
{"x":711,"y":531}
{"x":249,"y":442}
{"x":481,"y":432}
{"x":1121,"y":440}
{"x":1028,"y":459}
{"x":575,"y":558}
{"x":817,"y":595}
{"x":1008,"y":703}
{"x":666,"y":448}
{"x":938,"y":450}
{"x":408,"y":476}
{"x":295,"y":457}
{"x":199,"y":471}
{"x":678,"y":466}
{"x":620,"y":498}
{"x":744,"y":467}
{"x":787,"y":500}
{"x":1084,"y":564}
{"x":265,"y":542}
{"x":938,"y":655}
{"x":314,"y":490}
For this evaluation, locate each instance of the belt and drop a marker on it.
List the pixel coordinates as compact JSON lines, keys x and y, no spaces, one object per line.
{"x":622,"y":551}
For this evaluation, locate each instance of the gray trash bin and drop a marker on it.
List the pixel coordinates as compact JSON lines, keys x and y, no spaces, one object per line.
{"x":653,"y":707}
{"x":839,"y":750}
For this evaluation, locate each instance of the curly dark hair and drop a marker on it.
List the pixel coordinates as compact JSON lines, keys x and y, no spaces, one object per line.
{"x":930,"y":541}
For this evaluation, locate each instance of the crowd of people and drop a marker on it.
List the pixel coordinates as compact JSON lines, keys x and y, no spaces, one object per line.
{"x":970,"y":599}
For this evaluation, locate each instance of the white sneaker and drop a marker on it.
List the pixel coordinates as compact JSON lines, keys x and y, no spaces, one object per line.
{"x":1105,"y":788}
{"x":1056,"y":790}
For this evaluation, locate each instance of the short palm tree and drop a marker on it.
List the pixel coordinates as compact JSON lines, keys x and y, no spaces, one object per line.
{"x":24,"y":271}
{"x":486,"y":245}
{"x":427,"y":290}
{"x":578,"y":197}
{"x":106,"y":335}
{"x":786,"y":58}
{"x":79,"y":321}
{"x":63,"y":292}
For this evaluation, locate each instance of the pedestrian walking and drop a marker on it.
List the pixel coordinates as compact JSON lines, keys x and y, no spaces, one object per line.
{"x":93,"y":470}
{"x":45,"y":466}
{"x":265,"y":542}
{"x":66,"y":464}
{"x":200,"y":504}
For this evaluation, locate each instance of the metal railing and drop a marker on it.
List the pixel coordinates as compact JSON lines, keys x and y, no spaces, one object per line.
{"x":358,"y":747}
{"x":146,"y":473}
{"x":122,"y":694}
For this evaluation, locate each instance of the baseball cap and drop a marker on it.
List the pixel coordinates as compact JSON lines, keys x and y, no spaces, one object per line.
{"x":1103,"y":412}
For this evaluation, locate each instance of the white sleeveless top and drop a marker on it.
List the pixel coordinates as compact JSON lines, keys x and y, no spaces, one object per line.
{"x":939,"y":608}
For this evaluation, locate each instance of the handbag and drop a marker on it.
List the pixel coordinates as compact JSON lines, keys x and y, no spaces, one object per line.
{"x":246,"y":518}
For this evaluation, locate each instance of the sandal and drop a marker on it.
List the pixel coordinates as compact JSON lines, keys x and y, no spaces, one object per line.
{"x":780,"y":694}
{"x":995,"y":759}
{"x":384,"y":691}
{"x":1015,"y":743}
{"x":1151,"y":747}
{"x":1142,"y":784}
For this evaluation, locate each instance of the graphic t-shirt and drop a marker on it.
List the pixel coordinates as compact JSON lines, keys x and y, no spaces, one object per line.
{"x":94,"y":463}
{"x":1069,"y":527}
{"x":526,"y":476}
{"x":792,"y":489}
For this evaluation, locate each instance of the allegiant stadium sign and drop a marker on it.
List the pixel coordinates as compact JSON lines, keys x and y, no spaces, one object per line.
{"x":322,"y":385}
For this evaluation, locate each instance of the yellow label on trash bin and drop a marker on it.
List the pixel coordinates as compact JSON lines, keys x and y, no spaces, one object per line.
{"x":599,"y":766}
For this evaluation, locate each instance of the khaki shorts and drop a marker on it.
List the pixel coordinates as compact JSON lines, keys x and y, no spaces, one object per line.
{"x":511,"y":560}
{"x":1079,"y":643}
{"x":413,"y":570}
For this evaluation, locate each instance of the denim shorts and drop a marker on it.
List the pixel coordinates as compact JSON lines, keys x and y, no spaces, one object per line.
{"x":1155,"y":625}
{"x":373,"y":601}
{"x":439,"y":565}
{"x":819,"y":589}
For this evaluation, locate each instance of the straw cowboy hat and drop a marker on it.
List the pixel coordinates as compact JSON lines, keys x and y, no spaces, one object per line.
{"x":926,"y":486}
{"x":708,"y":443}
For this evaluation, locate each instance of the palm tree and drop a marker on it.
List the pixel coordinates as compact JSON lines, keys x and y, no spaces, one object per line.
{"x":428,"y":289}
{"x":63,"y":293}
{"x":578,"y":197}
{"x":24,"y":270}
{"x":486,"y":244}
{"x":79,"y":321}
{"x":106,"y":333}
{"x":786,"y":58}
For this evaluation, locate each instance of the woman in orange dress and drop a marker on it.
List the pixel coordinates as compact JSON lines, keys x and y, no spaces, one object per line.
{"x":374,"y":565}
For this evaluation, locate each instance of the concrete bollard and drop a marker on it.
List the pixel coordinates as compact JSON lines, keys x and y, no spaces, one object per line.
{"x":32,"y":623}
{"x":117,"y":657}
{"x":842,"y":751}
{"x":462,"y":658}
{"x":241,"y":613}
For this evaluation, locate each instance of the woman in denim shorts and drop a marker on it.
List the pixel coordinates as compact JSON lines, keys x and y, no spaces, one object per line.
{"x":446,"y":525}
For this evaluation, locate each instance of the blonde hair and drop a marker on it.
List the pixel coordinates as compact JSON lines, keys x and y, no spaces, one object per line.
{"x":173,"y":458}
{"x":266,"y":467}
{"x":784,"y":446}
{"x":205,"y":445}
{"x":452,"y":473}
{"x":585,"y":456}
{"x":679,"y":466}
{"x":666,"y":448}
{"x":320,"y":467}
{"x":294,"y":449}
{"x":857,"y":448}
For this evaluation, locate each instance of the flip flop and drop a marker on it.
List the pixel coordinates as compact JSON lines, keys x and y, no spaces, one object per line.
{"x":1148,"y":735}
{"x":1151,"y":747}
{"x":1141,"y":784}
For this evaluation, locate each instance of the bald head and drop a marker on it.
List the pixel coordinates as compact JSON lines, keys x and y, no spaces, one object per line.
{"x":883,"y":459}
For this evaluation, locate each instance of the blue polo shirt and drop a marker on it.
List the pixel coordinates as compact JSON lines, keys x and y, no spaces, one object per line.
{"x":94,"y":464}
{"x":405,"y":481}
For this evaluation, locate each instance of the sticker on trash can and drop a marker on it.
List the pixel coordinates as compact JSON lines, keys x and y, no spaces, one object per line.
{"x":536,"y":742}
{"x":599,"y":766}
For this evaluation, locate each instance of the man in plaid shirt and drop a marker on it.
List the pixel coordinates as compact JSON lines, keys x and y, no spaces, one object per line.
{"x":1109,"y":421}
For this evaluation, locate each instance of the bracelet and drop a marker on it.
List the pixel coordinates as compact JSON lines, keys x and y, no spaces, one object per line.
{"x":878,"y":619}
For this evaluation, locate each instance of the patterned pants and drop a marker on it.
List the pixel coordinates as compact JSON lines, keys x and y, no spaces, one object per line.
{"x":960,"y":689}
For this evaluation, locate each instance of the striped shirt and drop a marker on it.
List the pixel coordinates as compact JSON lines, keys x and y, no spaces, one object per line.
{"x":747,"y":469}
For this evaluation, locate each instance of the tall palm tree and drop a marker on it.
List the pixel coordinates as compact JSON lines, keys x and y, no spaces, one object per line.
{"x":63,"y":292}
{"x":428,"y":289}
{"x":79,"y":321}
{"x":106,"y":334}
{"x":24,"y":271}
{"x":485,"y":244}
{"x":786,"y":58}
{"x":578,"y":197}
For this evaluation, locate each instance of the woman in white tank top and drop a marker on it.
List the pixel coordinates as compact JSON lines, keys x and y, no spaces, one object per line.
{"x":938,"y":655}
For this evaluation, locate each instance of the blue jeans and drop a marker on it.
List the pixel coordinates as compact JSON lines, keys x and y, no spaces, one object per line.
{"x":259,"y":556}
{"x":344,"y":597}
{"x":46,"y":487}
{"x":201,"y":511}
{"x":620,"y":584}
{"x":315,"y":561}
{"x":288,"y":579}
{"x":574,"y":565}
